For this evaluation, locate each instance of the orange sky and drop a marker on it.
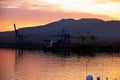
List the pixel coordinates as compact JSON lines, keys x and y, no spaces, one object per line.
{"x":27,"y":13}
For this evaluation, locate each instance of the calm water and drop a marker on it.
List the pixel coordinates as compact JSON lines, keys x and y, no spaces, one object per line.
{"x":38,"y":65}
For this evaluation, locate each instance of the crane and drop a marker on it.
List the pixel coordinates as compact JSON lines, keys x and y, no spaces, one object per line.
{"x":80,"y":39}
{"x":65,"y":37}
{"x":91,"y":39}
{"x":19,"y":37}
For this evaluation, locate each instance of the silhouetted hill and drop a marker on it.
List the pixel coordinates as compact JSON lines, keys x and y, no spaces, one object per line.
{"x":104,"y":30}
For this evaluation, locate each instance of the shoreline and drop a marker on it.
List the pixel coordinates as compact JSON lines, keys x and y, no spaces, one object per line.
{"x":84,"y":48}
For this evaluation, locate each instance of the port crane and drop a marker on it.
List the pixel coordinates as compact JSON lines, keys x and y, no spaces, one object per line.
{"x":91,"y":38}
{"x":80,"y":39}
{"x":19,"y":37}
{"x":64,"y":37}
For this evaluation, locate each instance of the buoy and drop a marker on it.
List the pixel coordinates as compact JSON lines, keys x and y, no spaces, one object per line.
{"x":106,"y":78}
{"x":98,"y":78}
{"x":89,"y":77}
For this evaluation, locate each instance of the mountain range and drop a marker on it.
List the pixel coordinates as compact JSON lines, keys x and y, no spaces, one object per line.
{"x":105,"y":30}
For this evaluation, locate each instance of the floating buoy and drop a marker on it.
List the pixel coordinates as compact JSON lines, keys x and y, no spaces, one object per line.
{"x":106,"y":78}
{"x":98,"y":78}
{"x":89,"y":77}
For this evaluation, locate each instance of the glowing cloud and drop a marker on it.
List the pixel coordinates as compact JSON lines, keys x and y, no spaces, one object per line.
{"x":110,"y":7}
{"x":106,"y":1}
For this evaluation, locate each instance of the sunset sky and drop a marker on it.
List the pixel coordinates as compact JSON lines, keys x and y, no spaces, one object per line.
{"x":27,"y":13}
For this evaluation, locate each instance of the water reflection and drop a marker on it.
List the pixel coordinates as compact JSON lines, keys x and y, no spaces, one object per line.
{"x":18,"y":55}
{"x":7,"y":64}
{"x":39,"y":65}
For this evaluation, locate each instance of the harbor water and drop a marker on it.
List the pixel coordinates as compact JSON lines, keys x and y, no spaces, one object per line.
{"x":40,"y":65}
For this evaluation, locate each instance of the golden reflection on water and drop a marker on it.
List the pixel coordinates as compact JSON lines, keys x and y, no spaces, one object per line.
{"x":7,"y":64}
{"x":38,"y":65}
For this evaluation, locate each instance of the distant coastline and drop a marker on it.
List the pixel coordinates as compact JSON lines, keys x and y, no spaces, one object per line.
{"x":107,"y":33}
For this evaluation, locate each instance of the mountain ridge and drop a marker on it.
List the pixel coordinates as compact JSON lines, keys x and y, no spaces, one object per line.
{"x":104,"y":30}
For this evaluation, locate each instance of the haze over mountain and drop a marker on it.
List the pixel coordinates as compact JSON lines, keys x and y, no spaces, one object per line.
{"x":104,"y":30}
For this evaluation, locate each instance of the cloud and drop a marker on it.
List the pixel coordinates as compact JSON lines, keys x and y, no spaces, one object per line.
{"x":63,"y":6}
{"x":106,"y":1}
{"x":29,"y":4}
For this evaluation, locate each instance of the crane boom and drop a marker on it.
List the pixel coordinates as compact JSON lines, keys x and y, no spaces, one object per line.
{"x":16,"y":32}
